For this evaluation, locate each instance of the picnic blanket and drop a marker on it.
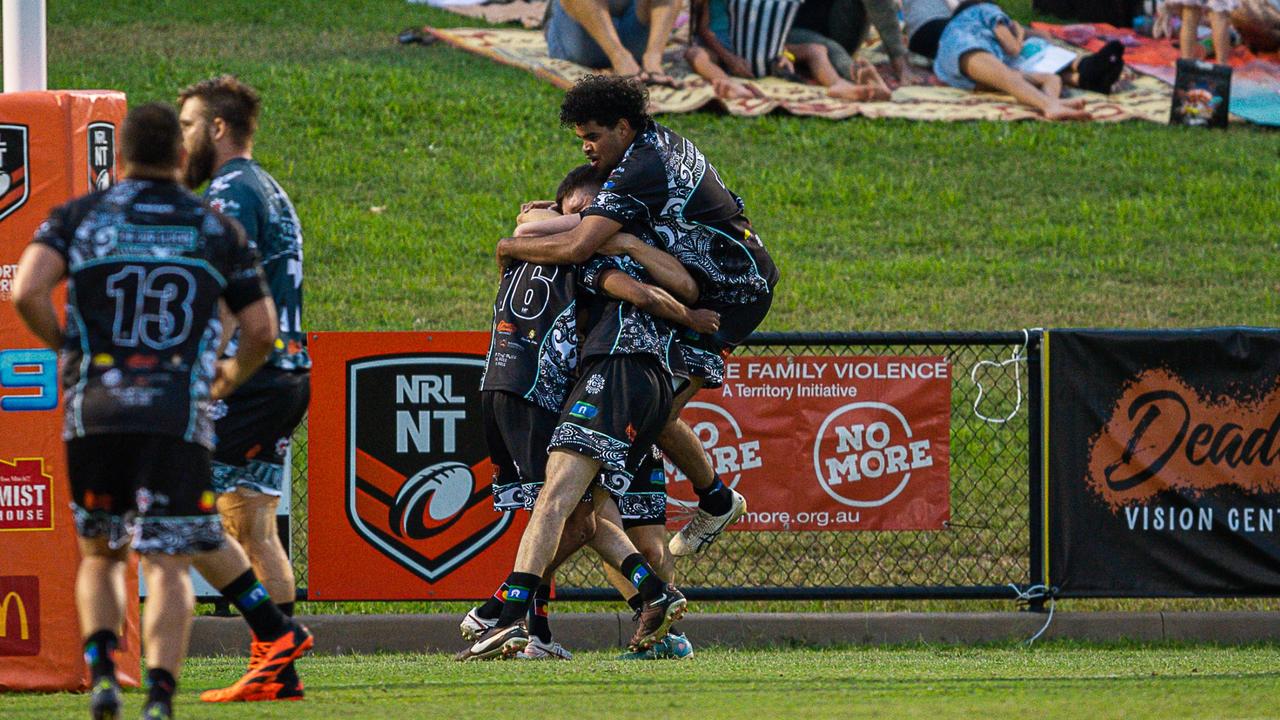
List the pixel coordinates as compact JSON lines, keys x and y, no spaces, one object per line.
{"x":1138,"y":97}
{"x":1255,"y":79}
{"x":521,"y":12}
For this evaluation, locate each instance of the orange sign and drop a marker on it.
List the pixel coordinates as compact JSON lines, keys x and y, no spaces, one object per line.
{"x":48,"y":155}
{"x":827,"y":443}
{"x":400,"y":475}
{"x":1164,"y":435}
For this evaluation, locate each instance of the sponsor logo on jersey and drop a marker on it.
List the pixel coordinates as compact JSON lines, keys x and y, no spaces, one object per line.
{"x":506,"y":328}
{"x":15,"y":183}
{"x":138,"y":361}
{"x":583,"y":410}
{"x":414,"y":449}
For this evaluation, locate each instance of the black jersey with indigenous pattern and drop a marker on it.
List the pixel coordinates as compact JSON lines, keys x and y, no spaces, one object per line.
{"x":146,"y":263}
{"x":533,"y":346}
{"x":614,"y":327}
{"x":246,"y":192}
{"x":666,"y":183}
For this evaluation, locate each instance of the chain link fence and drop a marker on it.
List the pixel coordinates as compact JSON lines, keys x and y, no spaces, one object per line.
{"x":985,"y":546}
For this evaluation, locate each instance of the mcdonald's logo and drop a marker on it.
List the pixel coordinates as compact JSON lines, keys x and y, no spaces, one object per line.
{"x":19,"y":615}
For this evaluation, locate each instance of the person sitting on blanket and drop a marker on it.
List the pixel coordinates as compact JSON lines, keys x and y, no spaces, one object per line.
{"x":841,"y":27}
{"x":711,"y":56}
{"x":980,"y":42}
{"x":628,"y":36}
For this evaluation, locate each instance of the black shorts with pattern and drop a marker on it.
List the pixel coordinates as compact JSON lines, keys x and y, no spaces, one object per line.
{"x":517,"y":433}
{"x":645,"y":502}
{"x":153,"y":490}
{"x":614,"y":414}
{"x":704,"y":354}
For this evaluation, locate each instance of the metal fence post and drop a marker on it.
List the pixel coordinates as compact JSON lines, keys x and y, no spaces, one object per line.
{"x":1035,"y":467}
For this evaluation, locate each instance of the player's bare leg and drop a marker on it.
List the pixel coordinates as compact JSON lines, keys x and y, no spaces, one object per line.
{"x":100,"y":603}
{"x":166,"y":627}
{"x":718,"y":506}
{"x":569,"y":474}
{"x":250,"y":517}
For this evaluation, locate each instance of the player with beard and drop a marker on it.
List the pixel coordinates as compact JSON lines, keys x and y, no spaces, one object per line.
{"x":254,"y":425}
{"x":532,"y":359}
{"x":661,"y":180}
{"x":147,"y":265}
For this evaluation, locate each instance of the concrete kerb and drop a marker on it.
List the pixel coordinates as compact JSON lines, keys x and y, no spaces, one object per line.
{"x":336,"y":634}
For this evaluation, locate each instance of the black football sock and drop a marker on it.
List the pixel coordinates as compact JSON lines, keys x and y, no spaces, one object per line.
{"x":286,"y":608}
{"x":520,"y":587}
{"x":160,"y":687}
{"x":252,"y":600}
{"x":492,"y":607}
{"x":716,"y":498}
{"x":643,"y":577}
{"x":540,"y":614}
{"x":99,"y":653}
{"x":635,"y":602}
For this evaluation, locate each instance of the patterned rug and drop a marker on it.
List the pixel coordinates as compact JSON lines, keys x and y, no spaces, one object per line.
{"x":1138,"y":97}
{"x":1255,"y":79}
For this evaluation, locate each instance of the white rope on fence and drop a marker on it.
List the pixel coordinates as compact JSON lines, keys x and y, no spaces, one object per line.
{"x":1019,"y":356}
{"x":1035,"y":592}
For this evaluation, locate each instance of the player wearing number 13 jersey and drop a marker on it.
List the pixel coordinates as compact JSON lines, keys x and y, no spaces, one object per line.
{"x":147,"y":266}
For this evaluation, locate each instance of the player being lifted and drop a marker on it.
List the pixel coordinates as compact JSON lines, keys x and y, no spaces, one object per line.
{"x":661,"y":181}
{"x":532,"y":361}
{"x":254,"y":424}
{"x":147,"y":264}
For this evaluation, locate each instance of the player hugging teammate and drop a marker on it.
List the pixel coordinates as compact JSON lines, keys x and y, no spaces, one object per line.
{"x":661,"y":216}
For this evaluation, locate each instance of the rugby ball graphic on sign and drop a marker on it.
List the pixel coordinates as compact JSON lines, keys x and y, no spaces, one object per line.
{"x":414,"y":447}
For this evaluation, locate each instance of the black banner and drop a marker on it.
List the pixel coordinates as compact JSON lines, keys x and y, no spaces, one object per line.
{"x":1163,"y":462}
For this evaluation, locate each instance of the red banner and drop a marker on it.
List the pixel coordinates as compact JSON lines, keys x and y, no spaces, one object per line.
{"x":53,"y":146}
{"x":827,"y":443}
{"x":400,"y":501}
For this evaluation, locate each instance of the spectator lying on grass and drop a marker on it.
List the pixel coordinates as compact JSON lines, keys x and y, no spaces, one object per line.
{"x":980,"y":43}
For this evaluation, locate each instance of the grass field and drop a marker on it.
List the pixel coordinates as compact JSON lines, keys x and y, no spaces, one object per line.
{"x":1056,"y":680}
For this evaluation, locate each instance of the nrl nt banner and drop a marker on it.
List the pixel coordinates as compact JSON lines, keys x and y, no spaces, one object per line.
{"x":400,"y":478}
{"x":1161,"y":462}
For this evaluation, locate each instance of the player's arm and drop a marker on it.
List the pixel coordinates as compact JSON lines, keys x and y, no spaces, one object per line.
{"x":565,"y":248}
{"x":666,"y":271}
{"x":549,"y":225}
{"x":258,"y":323}
{"x":657,"y":302}
{"x":229,"y":325}
{"x":247,"y":297}
{"x":40,"y":269}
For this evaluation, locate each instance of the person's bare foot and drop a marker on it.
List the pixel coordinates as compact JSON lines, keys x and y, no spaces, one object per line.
{"x":627,"y":67}
{"x":728,"y":89}
{"x":1074,"y":103}
{"x":1060,"y":112}
{"x":846,"y":90}
{"x":869,"y":78}
{"x":652,"y":72}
